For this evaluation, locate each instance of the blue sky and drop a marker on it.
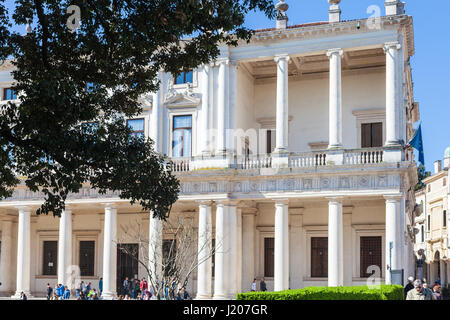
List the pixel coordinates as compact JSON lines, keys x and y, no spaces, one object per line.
{"x":431,"y":63}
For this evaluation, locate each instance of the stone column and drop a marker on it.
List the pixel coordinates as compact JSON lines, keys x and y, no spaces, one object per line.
{"x":157,"y":113}
{"x":392,"y":96}
{"x":205,"y":147}
{"x":204,"y":275}
{"x":64,"y":246}
{"x":231,"y":266}
{"x":155,"y":253}
{"x":248,"y":248}
{"x":220,"y":282}
{"x":335,"y":243}
{"x":348,"y":246}
{"x":296,"y":248}
{"x":239,"y":251}
{"x":335,"y":112}
{"x":392,"y":234}
{"x":222,"y":107}
{"x":23,"y":253}
{"x":282,"y":112}
{"x":6,"y":256}
{"x":442,"y":269}
{"x":110,"y":253}
{"x":281,"y":276}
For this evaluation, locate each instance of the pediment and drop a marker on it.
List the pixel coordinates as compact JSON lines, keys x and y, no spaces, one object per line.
{"x":181,"y":100}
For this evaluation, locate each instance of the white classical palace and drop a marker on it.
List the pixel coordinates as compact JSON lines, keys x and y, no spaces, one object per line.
{"x":432,"y":245}
{"x":290,"y":152}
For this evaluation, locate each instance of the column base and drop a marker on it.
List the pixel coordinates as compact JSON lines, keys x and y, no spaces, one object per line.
{"x":220,"y":297}
{"x":16,"y":296}
{"x":393,"y":154}
{"x":280,"y":159}
{"x":109,"y":296}
{"x":335,"y":156}
{"x":203,"y":297}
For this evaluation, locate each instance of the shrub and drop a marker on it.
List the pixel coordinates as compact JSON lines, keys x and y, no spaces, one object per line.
{"x":383,"y":292}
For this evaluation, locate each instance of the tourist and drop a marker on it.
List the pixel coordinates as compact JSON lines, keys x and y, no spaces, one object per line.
{"x":49,"y":291}
{"x":125,"y":286}
{"x":144,"y":285}
{"x":437,"y":292}
{"x":262,"y":285}
{"x":100,"y":286}
{"x":132,"y":288}
{"x":23,"y":296}
{"x":253,"y":288}
{"x":66,"y":293}
{"x":419,"y":292}
{"x":409,"y":286}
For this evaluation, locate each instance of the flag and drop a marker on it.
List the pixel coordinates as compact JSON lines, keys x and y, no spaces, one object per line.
{"x":417,"y":143}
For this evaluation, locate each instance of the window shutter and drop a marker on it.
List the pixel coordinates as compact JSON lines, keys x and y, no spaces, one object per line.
{"x":377,"y":135}
{"x":366,"y":135}
{"x":269,"y":245}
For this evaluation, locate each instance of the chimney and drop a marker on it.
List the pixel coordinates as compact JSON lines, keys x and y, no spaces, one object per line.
{"x":335,"y":11}
{"x":437,"y":166}
{"x":282,"y":18}
{"x":394,"y":7}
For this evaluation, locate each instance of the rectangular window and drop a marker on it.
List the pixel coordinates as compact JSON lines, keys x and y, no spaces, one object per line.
{"x":9,"y":94}
{"x":270,"y":141}
{"x":184,"y":77}
{"x":319,"y":257}
{"x":370,"y":254}
{"x":429,"y":223}
{"x":423,"y":234}
{"x":87,"y":258}
{"x":182,"y":136}
{"x":169,"y":249}
{"x":269,"y":247}
{"x":137,"y":127}
{"x":444,"y":215}
{"x":50,"y":258}
{"x":372,"y":135}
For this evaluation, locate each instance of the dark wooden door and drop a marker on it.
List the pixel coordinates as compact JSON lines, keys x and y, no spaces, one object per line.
{"x":127,"y":263}
{"x":319,"y":257}
{"x":370,"y":253}
{"x":372,"y":135}
{"x":269,"y":249}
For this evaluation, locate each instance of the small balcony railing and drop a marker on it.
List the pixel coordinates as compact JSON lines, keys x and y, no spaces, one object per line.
{"x":295,"y":160}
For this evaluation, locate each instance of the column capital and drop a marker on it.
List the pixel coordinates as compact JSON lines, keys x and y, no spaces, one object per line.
{"x":221,"y":61}
{"x":392,"y":45}
{"x":393,"y":197}
{"x":204,"y":203}
{"x":110,"y":205}
{"x":333,"y":51}
{"x":249,"y":211}
{"x":336,"y":199}
{"x":23,"y":208}
{"x":279,"y":202}
{"x":282,"y":57}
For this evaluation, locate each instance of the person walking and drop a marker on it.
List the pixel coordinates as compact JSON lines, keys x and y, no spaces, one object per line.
{"x":49,"y":291}
{"x":409,"y":286}
{"x":253,"y":288}
{"x":262,"y":285}
{"x":66,"y":293}
{"x":419,"y":292}
{"x":100,"y":286}
{"x":125,"y":286}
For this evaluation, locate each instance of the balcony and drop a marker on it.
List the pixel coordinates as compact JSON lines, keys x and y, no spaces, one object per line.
{"x":292,"y":160}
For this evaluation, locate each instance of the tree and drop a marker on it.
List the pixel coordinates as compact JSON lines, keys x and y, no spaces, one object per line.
{"x":62,"y":134}
{"x":170,"y":264}
{"x":421,"y":174}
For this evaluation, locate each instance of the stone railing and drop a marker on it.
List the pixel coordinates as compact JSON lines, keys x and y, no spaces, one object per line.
{"x":293,"y":160}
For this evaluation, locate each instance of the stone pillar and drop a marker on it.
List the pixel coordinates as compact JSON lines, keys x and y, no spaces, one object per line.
{"x":157,"y":113}
{"x":392,"y":234}
{"x":222,"y":107}
{"x":335,"y":112}
{"x":281,"y":276}
{"x":296,"y":248}
{"x":239,"y":251}
{"x":220,"y":281}
{"x":231,"y":266}
{"x":335,"y":243}
{"x":155,"y":253}
{"x":6,"y":256}
{"x":23,"y":253}
{"x":348,"y":246}
{"x":110,"y":253}
{"x":204,"y":277}
{"x":442,"y":269}
{"x":392,"y":96}
{"x":248,"y":248}
{"x":205,"y":147}
{"x":64,"y":246}
{"x":282,"y":112}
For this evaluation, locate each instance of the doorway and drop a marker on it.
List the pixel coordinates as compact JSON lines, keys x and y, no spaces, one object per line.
{"x":127,"y":263}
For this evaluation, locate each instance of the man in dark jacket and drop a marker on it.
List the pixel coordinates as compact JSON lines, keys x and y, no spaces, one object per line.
{"x":409,"y":286}
{"x":49,"y":291}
